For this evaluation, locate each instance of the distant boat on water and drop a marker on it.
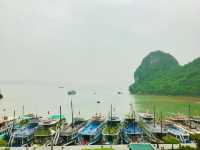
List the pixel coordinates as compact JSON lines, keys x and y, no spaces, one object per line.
{"x":119,"y":93}
{"x":1,"y":95}
{"x":71,"y":92}
{"x":98,"y":102}
{"x":61,"y":87}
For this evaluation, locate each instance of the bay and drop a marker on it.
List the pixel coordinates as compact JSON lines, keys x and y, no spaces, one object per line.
{"x":41,"y":99}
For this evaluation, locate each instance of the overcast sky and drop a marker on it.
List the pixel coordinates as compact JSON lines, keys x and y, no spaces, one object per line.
{"x":93,"y":41}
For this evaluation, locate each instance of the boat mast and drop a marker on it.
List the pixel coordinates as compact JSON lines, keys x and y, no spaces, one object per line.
{"x":154,"y":116}
{"x":60,"y":113}
{"x":23,"y":110}
{"x":189,"y":114}
{"x":14,"y":113}
{"x":161,"y":123}
{"x":111,"y":112}
{"x":134,"y":124}
{"x":72,"y":113}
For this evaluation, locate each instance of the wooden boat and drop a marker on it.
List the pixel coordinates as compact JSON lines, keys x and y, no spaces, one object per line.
{"x":131,"y":131}
{"x":46,"y":130}
{"x":112,"y":129}
{"x":69,"y":134}
{"x":91,"y":133}
{"x":153,"y":130}
{"x":6,"y":127}
{"x":24,"y":135}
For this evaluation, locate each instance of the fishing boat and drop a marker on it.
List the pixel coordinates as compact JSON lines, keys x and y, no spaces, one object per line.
{"x":6,"y":127}
{"x":24,"y":135}
{"x":69,"y":134}
{"x":180,"y":133}
{"x":112,"y":129}
{"x":46,"y":130}
{"x":91,"y":133}
{"x":153,"y":130}
{"x":131,"y":131}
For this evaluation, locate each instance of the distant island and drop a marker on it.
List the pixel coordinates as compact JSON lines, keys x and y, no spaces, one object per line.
{"x":161,"y":74}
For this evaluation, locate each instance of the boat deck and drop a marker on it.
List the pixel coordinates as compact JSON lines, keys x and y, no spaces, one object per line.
{"x":91,"y":128}
{"x":133,"y":129}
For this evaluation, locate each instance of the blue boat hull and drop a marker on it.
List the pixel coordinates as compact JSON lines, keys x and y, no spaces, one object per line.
{"x":91,"y":134}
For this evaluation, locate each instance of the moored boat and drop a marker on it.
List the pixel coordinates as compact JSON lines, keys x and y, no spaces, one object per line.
{"x":46,"y":130}
{"x":91,"y":133}
{"x":24,"y":135}
{"x":153,"y":130}
{"x":112,"y":129}
{"x":69,"y":134}
{"x":131,"y":131}
{"x":6,"y":127}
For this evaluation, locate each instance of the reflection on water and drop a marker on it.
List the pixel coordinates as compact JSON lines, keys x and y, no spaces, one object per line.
{"x":41,"y":99}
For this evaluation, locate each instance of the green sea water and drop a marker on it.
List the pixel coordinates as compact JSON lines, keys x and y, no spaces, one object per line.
{"x":168,"y":105}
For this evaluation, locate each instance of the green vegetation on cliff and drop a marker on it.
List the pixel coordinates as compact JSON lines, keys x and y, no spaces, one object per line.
{"x":161,"y":74}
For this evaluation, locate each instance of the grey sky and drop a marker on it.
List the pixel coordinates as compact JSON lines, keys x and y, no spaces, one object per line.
{"x":93,"y":41}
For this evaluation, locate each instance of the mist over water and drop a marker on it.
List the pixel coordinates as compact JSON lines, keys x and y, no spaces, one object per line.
{"x":41,"y":98}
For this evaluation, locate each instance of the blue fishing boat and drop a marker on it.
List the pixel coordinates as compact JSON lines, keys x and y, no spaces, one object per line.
{"x":92,"y":132}
{"x":131,"y":131}
{"x":24,"y":135}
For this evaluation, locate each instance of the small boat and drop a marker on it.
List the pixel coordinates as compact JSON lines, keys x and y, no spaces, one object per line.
{"x":131,"y":131}
{"x":61,"y":87}
{"x":119,"y":93}
{"x":91,"y":133}
{"x":1,"y":96}
{"x":71,"y":92}
{"x":69,"y":134}
{"x":181,"y":134}
{"x":111,"y":131}
{"x":23,"y":136}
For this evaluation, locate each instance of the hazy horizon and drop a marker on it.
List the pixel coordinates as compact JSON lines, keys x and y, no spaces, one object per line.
{"x":92,"y":41}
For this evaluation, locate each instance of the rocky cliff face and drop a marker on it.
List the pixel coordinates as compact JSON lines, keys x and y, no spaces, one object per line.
{"x":161,"y":74}
{"x":153,"y":63}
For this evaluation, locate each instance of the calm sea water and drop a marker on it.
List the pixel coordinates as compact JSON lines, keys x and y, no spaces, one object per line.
{"x":43,"y":98}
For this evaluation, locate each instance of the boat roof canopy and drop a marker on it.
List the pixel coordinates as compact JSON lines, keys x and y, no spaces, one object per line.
{"x":56,"y":117}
